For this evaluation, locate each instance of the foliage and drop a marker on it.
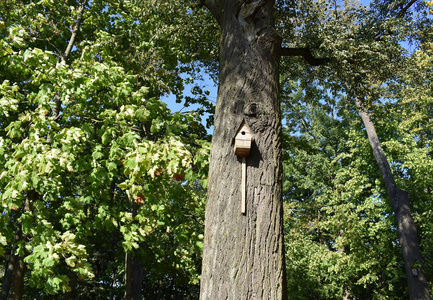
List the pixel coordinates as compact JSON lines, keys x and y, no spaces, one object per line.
{"x":338,"y":223}
{"x":110,"y":167}
{"x":340,"y":232}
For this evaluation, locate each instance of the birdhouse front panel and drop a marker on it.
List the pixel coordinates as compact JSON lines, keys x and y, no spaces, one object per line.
{"x":243,"y":141}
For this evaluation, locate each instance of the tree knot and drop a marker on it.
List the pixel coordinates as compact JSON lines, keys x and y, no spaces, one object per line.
{"x":246,"y":18}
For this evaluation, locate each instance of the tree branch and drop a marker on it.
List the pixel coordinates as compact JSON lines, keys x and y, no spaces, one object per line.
{"x":305,"y":53}
{"x":212,"y":6}
{"x":400,"y":14}
{"x":405,"y":9}
{"x":55,"y":110}
{"x":74,"y":34}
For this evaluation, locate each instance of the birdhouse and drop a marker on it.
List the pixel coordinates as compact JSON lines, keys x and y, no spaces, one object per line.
{"x":243,"y":139}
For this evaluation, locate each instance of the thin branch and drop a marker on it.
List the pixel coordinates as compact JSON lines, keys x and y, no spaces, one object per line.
{"x":305,"y":53}
{"x":405,"y":9}
{"x":195,"y":218}
{"x":304,"y":123}
{"x":55,"y":111}
{"x":74,"y":34}
{"x":400,"y":14}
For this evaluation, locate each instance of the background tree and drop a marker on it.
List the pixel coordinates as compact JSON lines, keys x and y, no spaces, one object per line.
{"x":95,"y":170}
{"x":370,"y":57}
{"x":103,"y":187}
{"x":244,"y":254}
{"x":339,"y":239}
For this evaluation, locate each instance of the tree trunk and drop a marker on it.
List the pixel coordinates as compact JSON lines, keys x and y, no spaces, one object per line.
{"x":72,"y":294}
{"x":346,"y":287}
{"x":128,"y":275}
{"x":244,"y":253}
{"x":407,"y":233}
{"x":13,"y":280}
{"x":7,"y":278}
{"x":133,"y":270}
{"x":137,"y":279}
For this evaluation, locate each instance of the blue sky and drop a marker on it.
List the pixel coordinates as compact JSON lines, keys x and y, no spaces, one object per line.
{"x":205,"y":84}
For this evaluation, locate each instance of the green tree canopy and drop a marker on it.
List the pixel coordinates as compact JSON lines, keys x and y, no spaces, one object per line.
{"x":93,"y":164}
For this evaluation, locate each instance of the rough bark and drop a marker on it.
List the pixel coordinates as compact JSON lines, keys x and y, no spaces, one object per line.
{"x":305,"y":53}
{"x":400,"y":201}
{"x":137,"y":278}
{"x":244,"y":253}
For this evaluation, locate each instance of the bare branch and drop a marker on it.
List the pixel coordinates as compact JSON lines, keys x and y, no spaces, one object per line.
{"x":55,"y":110}
{"x":305,"y":53}
{"x":74,"y":34}
{"x":405,"y":9}
{"x":400,"y":14}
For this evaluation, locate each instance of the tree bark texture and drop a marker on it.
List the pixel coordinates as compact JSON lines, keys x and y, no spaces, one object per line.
{"x":400,"y":201}
{"x":244,"y":253}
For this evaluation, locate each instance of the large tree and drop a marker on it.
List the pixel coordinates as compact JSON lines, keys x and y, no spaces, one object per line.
{"x":365,"y":89}
{"x":243,"y":254}
{"x":336,"y":219}
{"x":365,"y":58}
{"x":98,"y":178}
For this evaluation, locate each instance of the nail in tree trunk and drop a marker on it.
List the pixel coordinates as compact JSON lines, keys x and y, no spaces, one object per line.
{"x":400,"y":201}
{"x":244,"y":253}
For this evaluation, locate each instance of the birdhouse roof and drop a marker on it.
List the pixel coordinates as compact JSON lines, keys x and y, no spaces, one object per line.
{"x":243,"y":124}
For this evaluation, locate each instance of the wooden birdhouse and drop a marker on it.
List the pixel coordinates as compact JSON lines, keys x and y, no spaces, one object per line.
{"x":243,"y":140}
